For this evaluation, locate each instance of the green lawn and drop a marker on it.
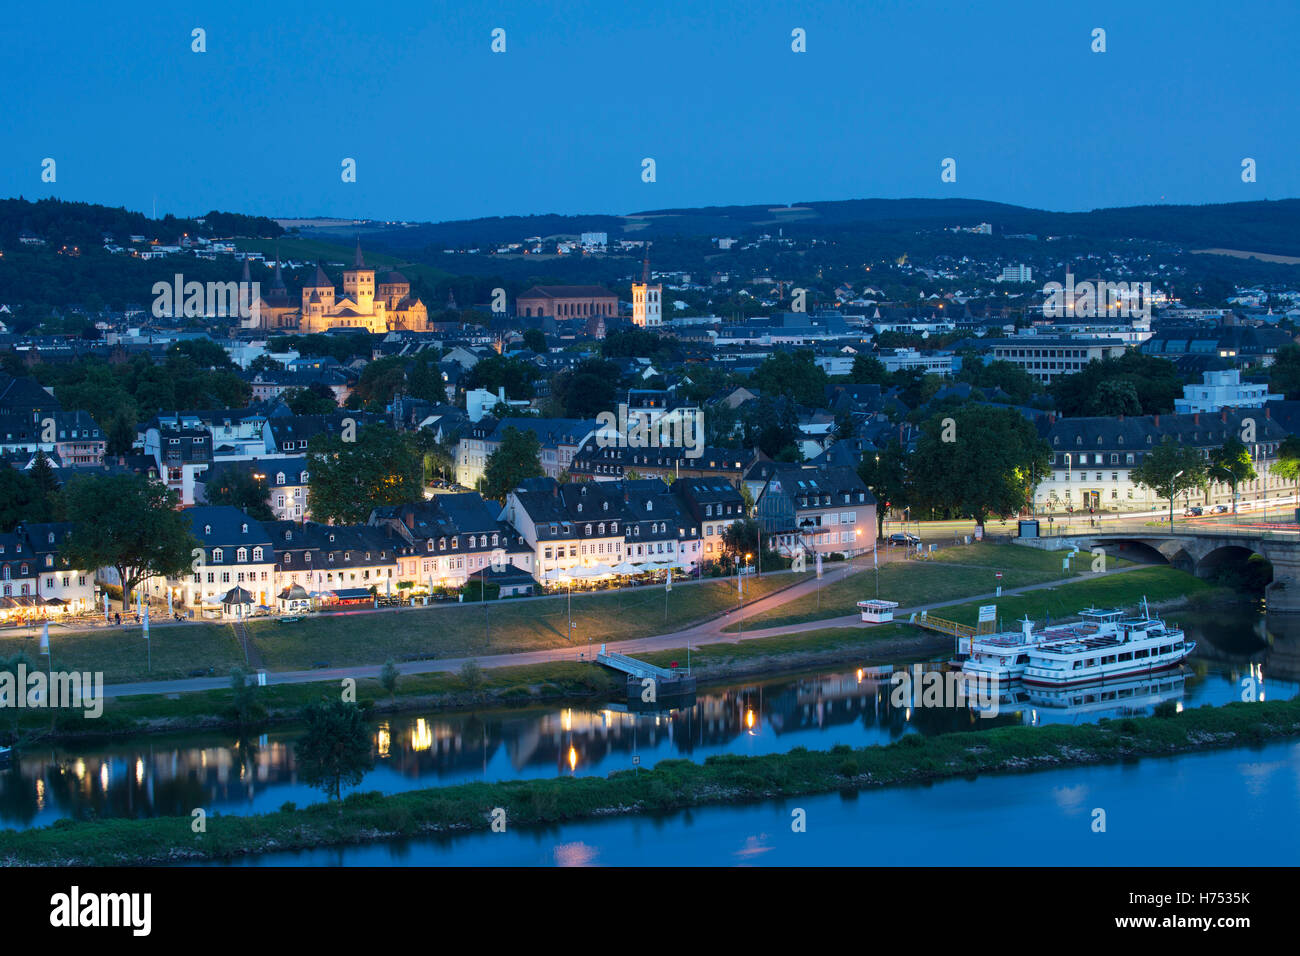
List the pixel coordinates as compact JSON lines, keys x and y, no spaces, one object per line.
{"x":1156,"y":583}
{"x":408,"y":634}
{"x":512,"y":626}
{"x":951,"y":573}
{"x":120,"y":653}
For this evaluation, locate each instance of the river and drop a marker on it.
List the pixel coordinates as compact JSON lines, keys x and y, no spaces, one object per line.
{"x":171,"y":775}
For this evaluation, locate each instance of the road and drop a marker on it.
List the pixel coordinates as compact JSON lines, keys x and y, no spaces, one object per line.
{"x":708,"y":632}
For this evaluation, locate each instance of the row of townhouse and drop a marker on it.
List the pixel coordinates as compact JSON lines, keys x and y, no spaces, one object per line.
{"x":601,"y":525}
{"x":1093,"y":458}
{"x":408,"y":550}
{"x":36,"y":579}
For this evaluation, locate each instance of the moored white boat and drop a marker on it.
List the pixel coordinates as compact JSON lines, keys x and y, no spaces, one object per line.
{"x":1004,"y":657}
{"x":1143,"y":645}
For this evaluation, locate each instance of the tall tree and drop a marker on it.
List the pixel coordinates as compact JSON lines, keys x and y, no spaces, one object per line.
{"x":980,"y":460}
{"x":519,"y":457}
{"x":1286,"y":463}
{"x":1231,"y":462}
{"x":239,"y":489}
{"x":885,"y":473}
{"x":795,"y":375}
{"x":1169,"y":469}
{"x":587,"y":389}
{"x":350,"y":478}
{"x":20,"y":498}
{"x":128,"y":523}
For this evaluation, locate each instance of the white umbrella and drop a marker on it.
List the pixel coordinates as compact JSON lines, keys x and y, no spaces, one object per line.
{"x":626,"y":568}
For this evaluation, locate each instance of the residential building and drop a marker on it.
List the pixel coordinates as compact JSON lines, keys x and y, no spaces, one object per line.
{"x":817,"y":510}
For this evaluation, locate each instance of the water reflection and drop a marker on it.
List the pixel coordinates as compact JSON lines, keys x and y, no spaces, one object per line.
{"x":173,"y":775}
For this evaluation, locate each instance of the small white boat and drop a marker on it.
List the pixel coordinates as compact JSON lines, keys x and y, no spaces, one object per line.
{"x":1143,"y":645}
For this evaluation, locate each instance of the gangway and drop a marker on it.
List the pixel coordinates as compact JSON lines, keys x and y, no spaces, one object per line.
{"x":667,"y":683}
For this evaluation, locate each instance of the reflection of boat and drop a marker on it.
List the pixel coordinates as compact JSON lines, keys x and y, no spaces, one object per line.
{"x":5,"y":754}
{"x":1003,"y":657}
{"x":1127,"y":694}
{"x":1143,"y":645}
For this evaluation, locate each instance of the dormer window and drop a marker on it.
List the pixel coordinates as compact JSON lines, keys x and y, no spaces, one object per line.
{"x":49,"y":560}
{"x":241,"y":556}
{"x":429,"y":544}
{"x":216,"y":555}
{"x":279,"y":477}
{"x":51,"y":537}
{"x":243,"y":528}
{"x":454,"y":541}
{"x":288,"y":559}
{"x":257,"y":554}
{"x":207,"y":529}
{"x":302,"y":479}
{"x":288,"y":535}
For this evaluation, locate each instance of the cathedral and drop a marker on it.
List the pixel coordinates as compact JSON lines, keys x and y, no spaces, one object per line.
{"x":381,"y":308}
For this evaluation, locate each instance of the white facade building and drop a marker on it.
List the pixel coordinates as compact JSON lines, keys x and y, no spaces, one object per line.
{"x":1223,"y":389}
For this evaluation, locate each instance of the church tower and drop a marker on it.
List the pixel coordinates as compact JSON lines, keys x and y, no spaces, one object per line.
{"x":359,"y":284}
{"x":647,"y":299}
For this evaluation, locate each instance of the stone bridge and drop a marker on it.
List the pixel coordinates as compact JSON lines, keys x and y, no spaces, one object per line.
{"x":1200,"y":551}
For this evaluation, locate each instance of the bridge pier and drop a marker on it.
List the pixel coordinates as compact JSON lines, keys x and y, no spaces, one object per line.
{"x":1284,"y":593}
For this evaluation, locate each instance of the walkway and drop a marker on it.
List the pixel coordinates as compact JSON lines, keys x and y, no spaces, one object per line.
{"x":708,"y":632}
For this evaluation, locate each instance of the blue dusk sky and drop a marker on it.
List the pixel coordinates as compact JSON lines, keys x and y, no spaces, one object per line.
{"x":443,"y":128}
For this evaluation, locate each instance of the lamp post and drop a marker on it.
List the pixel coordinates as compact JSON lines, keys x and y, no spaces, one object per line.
{"x":740,"y":608}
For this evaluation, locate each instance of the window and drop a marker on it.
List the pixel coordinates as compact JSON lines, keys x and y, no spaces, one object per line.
{"x":217,"y":555}
{"x":257,"y":554}
{"x":241,"y":555}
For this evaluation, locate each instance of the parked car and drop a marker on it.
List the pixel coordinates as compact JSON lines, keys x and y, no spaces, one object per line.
{"x":903,"y":538}
{"x":1219,"y":510}
{"x":1195,"y":511}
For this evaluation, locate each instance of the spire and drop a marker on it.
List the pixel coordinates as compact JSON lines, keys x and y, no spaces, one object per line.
{"x":278,"y":282}
{"x":645,"y":266}
{"x":245,"y":277}
{"x":358,"y":262}
{"x":321,"y":280}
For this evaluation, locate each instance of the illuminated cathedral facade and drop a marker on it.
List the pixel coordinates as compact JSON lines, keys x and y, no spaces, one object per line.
{"x":367,"y":304}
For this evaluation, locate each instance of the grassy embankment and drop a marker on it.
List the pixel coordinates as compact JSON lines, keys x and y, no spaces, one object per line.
{"x":894,"y":643}
{"x":371,"y":637}
{"x":672,"y":785}
{"x":952,"y":573}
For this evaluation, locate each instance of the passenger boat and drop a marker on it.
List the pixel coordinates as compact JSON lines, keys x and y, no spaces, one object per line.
{"x":1143,"y":645}
{"x":1004,"y":657}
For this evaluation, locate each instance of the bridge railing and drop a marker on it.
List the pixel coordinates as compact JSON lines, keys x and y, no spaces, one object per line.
{"x":1269,"y":530}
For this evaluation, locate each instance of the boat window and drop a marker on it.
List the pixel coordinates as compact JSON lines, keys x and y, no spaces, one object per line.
{"x":1138,"y":655}
{"x":1126,"y":656}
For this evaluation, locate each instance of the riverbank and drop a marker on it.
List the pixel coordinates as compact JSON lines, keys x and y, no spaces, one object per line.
{"x":560,"y":681}
{"x":671,"y":785}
